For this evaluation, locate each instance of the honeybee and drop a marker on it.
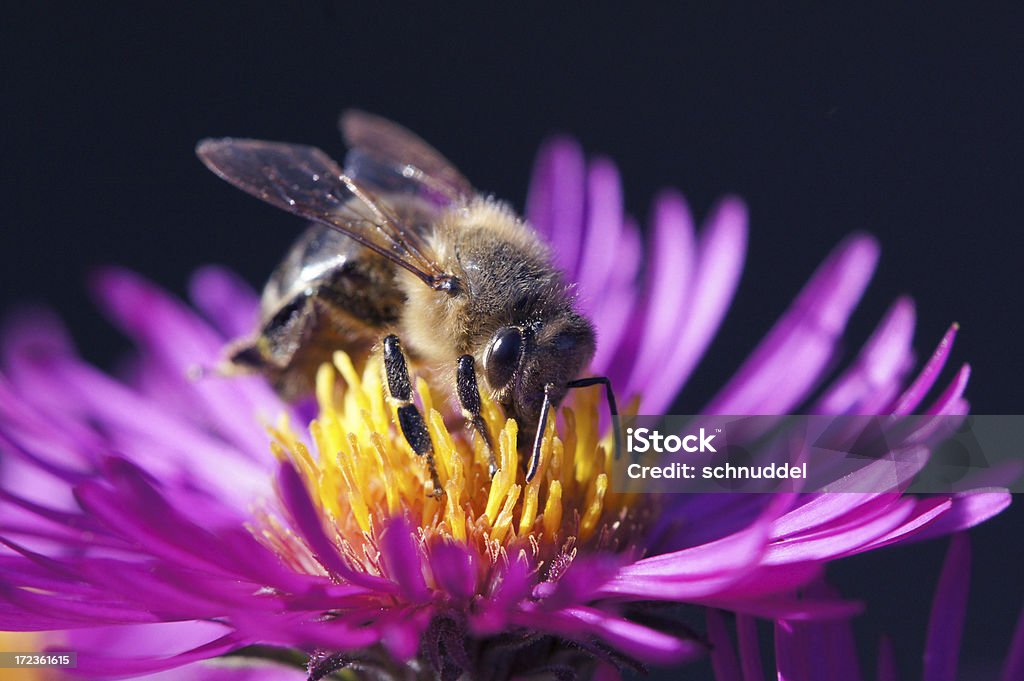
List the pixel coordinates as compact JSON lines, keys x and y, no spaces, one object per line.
{"x":405,"y":255}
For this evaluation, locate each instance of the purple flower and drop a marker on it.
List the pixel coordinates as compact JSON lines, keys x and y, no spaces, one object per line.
{"x":807,"y":651}
{"x":159,"y":521}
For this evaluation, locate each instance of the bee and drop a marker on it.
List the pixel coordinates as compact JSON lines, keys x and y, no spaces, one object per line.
{"x":404,"y":255}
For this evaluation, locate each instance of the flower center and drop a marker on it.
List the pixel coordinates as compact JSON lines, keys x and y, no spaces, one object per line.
{"x":363,"y":473}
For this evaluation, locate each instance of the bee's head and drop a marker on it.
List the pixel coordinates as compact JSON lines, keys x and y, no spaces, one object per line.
{"x":521,"y":360}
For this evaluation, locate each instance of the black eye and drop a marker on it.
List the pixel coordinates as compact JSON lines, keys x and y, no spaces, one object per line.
{"x":502,"y":356}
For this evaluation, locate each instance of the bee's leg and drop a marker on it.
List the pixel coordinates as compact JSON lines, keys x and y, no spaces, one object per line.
{"x":469,"y":400}
{"x":546,"y":408}
{"x":410,"y":420}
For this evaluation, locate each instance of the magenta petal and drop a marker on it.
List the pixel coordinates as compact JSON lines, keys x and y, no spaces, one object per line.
{"x":604,"y":223}
{"x":948,"y":402}
{"x":403,"y":560}
{"x":454,"y":569}
{"x":915,"y":393}
{"x":612,"y":324}
{"x":637,"y":641}
{"x":557,"y":198}
{"x":308,"y":523}
{"x":945,"y":627}
{"x":510,"y":587}
{"x":925,"y":512}
{"x":169,"y":446}
{"x":750,"y":648}
{"x":402,"y":632}
{"x":251,"y":671}
{"x":1013,"y":668}
{"x":837,"y":541}
{"x":665,"y":302}
{"x":969,"y":509}
{"x":694,"y":573}
{"x":580,"y":582}
{"x":770,"y":381}
{"x":767,"y":581}
{"x":815,"y":651}
{"x":818,"y":510}
{"x":618,"y":301}
{"x":865,"y":387}
{"x":721,"y":250}
{"x":23,"y":610}
{"x":96,"y":665}
{"x":226,"y":300}
{"x":182,"y":340}
{"x":723,"y":657}
{"x":712,"y":558}
{"x":136,"y":510}
{"x":886,"y":661}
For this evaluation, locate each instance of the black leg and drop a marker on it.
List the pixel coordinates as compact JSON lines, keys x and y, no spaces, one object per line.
{"x":469,"y":400}
{"x":546,"y":408}
{"x":538,"y":439}
{"x":410,"y":420}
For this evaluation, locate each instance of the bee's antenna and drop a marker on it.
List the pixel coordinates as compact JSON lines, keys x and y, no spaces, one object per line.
{"x":538,"y":439}
{"x":546,"y":408}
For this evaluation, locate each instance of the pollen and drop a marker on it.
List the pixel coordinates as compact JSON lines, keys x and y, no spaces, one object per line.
{"x":360,"y":472}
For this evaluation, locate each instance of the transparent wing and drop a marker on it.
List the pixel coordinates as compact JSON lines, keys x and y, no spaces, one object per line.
{"x":307,"y":182}
{"x":390,"y":157}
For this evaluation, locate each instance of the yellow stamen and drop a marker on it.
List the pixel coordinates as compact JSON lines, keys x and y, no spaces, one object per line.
{"x":362,"y":472}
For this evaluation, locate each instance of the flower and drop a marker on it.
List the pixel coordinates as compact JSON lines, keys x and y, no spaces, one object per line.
{"x":827,"y":650}
{"x":160,"y":521}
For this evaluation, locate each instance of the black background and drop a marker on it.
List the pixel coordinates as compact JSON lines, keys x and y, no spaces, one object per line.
{"x":901,"y":123}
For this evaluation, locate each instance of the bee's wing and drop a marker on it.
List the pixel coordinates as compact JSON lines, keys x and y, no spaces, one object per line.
{"x":389,"y":157}
{"x":306,"y":181}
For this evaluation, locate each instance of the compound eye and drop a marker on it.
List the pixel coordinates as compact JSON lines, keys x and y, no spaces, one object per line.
{"x":502,"y":357}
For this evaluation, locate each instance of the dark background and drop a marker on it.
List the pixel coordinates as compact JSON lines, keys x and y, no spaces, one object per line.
{"x":902,"y":123}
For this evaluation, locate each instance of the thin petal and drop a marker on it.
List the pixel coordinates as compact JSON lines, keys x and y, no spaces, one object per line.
{"x":556,"y":200}
{"x":308,"y":522}
{"x":1013,"y":668}
{"x":403,"y":559}
{"x":604,"y":222}
{"x":815,"y":651}
{"x":636,"y":640}
{"x":721,"y":250}
{"x":666,"y":298}
{"x":948,"y":402}
{"x":915,"y":393}
{"x":453,"y":569}
{"x":750,"y":648}
{"x":788,"y":362}
{"x":611,"y":318}
{"x":881,"y":363}
{"x":182,"y":340}
{"x":226,"y":300}
{"x":723,"y":656}
{"x":886,"y":661}
{"x":968,"y":510}
{"x":945,"y":627}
